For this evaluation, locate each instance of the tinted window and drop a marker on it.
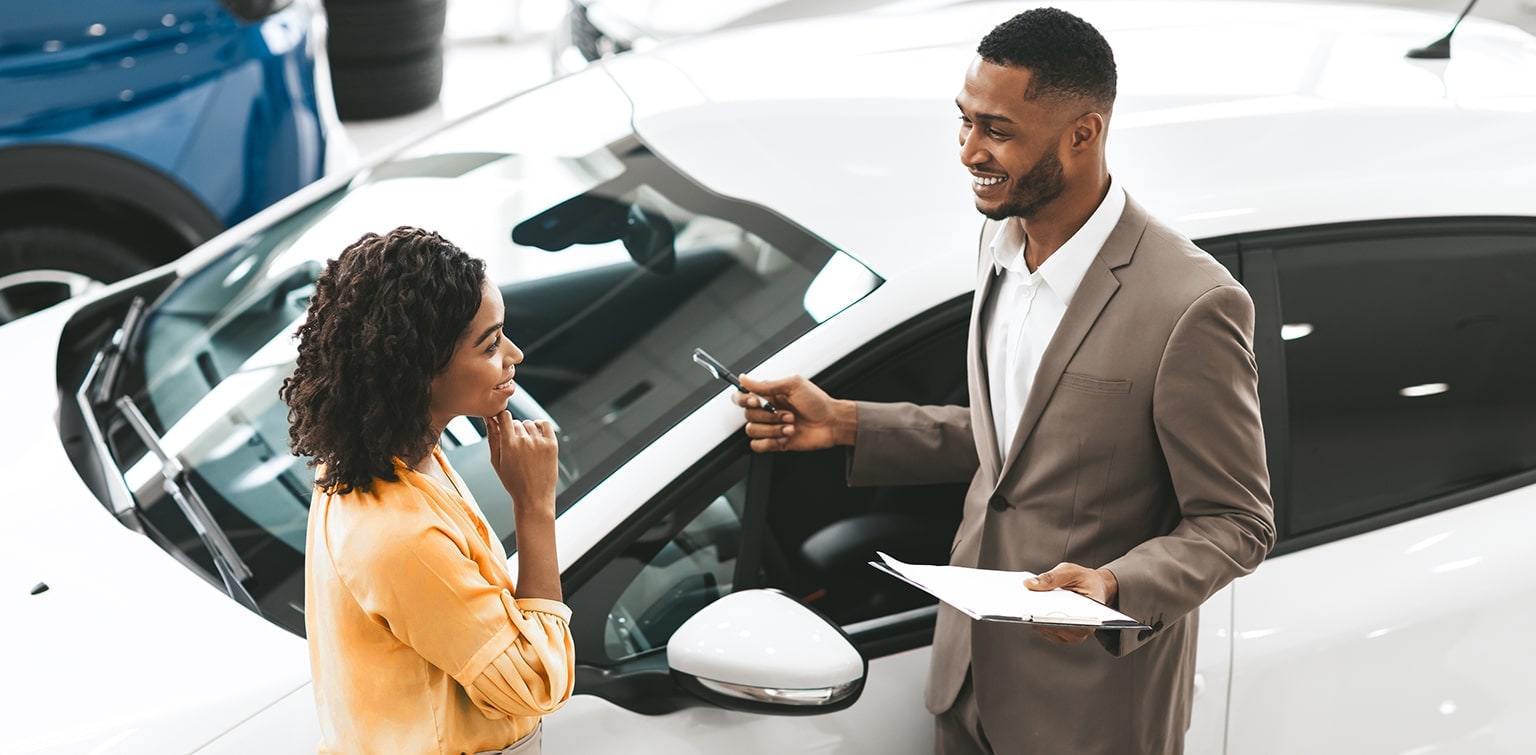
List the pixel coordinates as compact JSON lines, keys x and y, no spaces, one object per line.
{"x":786,"y":521}
{"x":1411,"y":363}
{"x":822,"y":533}
{"x":692,"y":569}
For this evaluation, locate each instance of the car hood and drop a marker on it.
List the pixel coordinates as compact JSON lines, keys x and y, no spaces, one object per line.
{"x":860,"y":123}
{"x":667,"y":19}
{"x":111,"y":645}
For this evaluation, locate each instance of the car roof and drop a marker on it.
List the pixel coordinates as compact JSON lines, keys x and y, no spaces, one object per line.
{"x":1232,"y":117}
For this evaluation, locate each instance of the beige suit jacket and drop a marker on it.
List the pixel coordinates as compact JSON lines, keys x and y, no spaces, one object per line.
{"x":1140,"y":449}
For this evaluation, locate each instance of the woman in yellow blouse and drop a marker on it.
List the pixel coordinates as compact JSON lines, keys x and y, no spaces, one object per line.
{"x":418,"y":640}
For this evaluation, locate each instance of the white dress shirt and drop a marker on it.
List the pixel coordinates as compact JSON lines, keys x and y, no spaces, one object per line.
{"x":1026,"y":307}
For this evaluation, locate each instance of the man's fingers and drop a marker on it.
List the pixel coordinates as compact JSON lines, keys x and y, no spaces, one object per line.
{"x":1068,"y":576}
{"x":755,"y":414}
{"x":768,"y":445}
{"x":771,"y":389}
{"x":1062,"y":575}
{"x":1042,"y":582}
{"x":768,"y":430}
{"x":1064,"y":635}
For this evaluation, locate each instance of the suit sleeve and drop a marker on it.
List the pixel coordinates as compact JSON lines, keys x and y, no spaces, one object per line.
{"x":1205,"y":408}
{"x":906,"y":444}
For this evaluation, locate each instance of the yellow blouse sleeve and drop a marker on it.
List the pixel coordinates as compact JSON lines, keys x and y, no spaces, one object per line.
{"x":514,"y":657}
{"x":533,"y":675}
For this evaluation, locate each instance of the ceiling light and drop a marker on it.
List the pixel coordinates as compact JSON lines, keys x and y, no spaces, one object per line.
{"x":1294,"y":330}
{"x":1424,"y":389}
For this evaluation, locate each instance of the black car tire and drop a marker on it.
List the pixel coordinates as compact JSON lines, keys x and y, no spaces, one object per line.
{"x":371,"y":30}
{"x":58,"y":248}
{"x":386,"y":88}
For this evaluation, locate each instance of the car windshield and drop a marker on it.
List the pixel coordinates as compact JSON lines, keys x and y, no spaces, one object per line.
{"x":614,"y":268}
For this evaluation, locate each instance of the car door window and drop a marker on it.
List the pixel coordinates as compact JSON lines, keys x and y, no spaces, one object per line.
{"x":1409,"y":361}
{"x":821,"y":533}
{"x":692,"y":569}
{"x":787,"y":521}
{"x":810,"y":534}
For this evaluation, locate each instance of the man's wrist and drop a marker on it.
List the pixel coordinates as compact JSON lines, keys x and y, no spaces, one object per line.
{"x":1111,"y":588}
{"x":845,"y":422}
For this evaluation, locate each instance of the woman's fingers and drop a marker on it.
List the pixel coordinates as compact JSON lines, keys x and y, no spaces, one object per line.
{"x":504,"y":433}
{"x":542,"y":428}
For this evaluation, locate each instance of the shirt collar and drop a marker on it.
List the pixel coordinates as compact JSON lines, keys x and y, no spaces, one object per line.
{"x":1063,"y":271}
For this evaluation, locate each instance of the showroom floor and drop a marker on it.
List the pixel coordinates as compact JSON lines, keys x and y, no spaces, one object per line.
{"x":495,"y":48}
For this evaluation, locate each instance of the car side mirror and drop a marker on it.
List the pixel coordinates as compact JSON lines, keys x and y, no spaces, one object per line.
{"x":762,"y":651}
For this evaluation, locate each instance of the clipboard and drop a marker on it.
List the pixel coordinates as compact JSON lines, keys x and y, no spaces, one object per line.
{"x":992,"y":595}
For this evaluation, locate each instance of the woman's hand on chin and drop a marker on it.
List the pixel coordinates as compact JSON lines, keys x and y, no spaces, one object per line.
{"x":525,"y":455}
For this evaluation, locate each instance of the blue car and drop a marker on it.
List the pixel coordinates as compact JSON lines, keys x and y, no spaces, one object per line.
{"x":133,"y":130}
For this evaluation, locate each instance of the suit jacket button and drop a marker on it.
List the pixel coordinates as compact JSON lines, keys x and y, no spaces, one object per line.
{"x":998,"y":503}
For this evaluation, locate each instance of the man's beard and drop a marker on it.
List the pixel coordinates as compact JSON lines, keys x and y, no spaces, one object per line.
{"x":1033,"y":190}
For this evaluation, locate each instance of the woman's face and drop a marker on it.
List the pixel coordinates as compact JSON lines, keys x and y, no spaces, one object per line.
{"x":478,"y":379}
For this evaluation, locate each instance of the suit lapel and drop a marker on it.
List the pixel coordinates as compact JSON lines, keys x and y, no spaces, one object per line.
{"x":976,"y":353}
{"x":1098,"y":287}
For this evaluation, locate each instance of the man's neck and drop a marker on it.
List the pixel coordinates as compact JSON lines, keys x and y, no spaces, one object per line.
{"x":1059,"y":221}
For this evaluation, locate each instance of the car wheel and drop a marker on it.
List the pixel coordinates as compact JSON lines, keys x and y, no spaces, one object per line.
{"x":368,"y":30}
{"x":43,"y":265}
{"x":385,"y":88}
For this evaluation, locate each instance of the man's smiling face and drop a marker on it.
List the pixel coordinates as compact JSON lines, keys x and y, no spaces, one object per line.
{"x":1008,"y":142}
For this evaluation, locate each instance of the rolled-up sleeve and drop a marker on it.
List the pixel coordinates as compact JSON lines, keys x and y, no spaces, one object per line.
{"x":529,"y":669}
{"x":514,"y":657}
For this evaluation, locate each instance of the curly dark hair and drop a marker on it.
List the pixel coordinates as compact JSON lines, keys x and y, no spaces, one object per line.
{"x":1068,"y":57}
{"x":383,"y":322}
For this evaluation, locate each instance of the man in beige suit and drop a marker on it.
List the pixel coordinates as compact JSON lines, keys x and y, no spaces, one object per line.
{"x":1113,"y":440}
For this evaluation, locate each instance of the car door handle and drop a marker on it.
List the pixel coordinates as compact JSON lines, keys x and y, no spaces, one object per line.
{"x":1199,"y":683}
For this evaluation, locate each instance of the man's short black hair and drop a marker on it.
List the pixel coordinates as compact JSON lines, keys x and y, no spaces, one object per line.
{"x":1065,"y":54}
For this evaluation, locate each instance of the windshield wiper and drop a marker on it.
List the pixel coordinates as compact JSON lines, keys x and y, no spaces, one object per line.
{"x":173,"y":474}
{"x":110,"y":358}
{"x":94,"y":391}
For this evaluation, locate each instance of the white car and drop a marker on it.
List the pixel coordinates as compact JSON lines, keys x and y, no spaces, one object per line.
{"x":594,"y":29}
{"x":808,"y":215}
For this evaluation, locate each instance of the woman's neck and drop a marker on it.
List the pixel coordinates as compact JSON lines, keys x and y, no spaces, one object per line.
{"x":423,"y":462}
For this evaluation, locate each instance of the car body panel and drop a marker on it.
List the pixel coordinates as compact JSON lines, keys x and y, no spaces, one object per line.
{"x":1404,"y":639}
{"x":596,"y":28}
{"x":1207,"y":161}
{"x":231,"y":111}
{"x":888,"y":718}
{"x":162,"y":660}
{"x":905,"y":83}
{"x":286,"y":726}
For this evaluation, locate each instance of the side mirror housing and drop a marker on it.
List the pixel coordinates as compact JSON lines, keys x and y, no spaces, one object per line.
{"x":762,"y":651}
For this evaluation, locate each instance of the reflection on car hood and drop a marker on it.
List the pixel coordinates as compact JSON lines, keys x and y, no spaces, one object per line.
{"x":854,"y":136}
{"x":126,"y":650}
{"x":667,"y":19}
